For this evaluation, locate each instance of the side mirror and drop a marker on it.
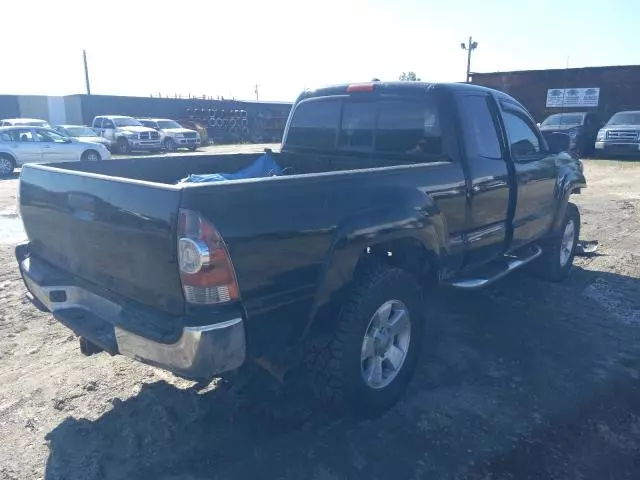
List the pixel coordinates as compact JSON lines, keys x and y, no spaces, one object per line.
{"x":558,"y":142}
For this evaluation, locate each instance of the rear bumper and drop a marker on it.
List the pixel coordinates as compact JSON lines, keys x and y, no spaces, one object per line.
{"x":199,"y":351}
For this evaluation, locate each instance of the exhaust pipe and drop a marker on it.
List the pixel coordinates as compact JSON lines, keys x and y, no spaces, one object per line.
{"x":88,"y":348}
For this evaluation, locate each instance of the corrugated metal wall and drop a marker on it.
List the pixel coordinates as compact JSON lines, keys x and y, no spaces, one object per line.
{"x":82,"y":108}
{"x":9,"y":107}
{"x":619,"y":87}
{"x":265,"y":120}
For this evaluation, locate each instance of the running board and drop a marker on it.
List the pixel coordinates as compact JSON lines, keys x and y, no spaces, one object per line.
{"x":496,"y":269}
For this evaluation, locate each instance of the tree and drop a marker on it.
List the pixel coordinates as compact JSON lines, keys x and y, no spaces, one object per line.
{"x":409,"y":77}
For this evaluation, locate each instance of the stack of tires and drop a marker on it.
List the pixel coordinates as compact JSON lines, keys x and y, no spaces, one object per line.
{"x":228,"y":126}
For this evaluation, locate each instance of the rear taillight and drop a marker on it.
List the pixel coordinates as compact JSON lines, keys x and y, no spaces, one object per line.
{"x":205,"y":266}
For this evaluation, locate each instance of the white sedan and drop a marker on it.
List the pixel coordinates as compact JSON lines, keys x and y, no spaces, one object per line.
{"x":20,"y":145}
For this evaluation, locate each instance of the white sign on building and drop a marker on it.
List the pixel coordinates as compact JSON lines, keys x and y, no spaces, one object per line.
{"x":573,"y":97}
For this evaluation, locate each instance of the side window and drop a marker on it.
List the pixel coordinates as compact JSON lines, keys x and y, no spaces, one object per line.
{"x":358,"y":122}
{"x":106,"y":123}
{"x":97,"y":122}
{"x":480,"y":133}
{"x":49,"y":136}
{"x":408,"y":127}
{"x":315,"y":124}
{"x":522,"y":138}
{"x":21,"y":135}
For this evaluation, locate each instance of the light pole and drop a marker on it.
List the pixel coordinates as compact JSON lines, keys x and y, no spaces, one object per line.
{"x":469,"y":48}
{"x":86,"y":72}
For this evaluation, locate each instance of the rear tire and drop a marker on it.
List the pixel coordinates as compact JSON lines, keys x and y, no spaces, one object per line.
{"x":193,"y":149}
{"x":90,"y":156}
{"x":123,"y":146}
{"x":7,"y":165}
{"x":344,"y":367}
{"x":558,"y":251}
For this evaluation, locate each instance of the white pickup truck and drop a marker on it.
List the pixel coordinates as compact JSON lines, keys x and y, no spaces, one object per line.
{"x":126,"y":134}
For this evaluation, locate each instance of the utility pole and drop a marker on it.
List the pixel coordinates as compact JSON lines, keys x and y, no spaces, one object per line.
{"x":469,"y":48}
{"x":256,"y":92}
{"x":86,"y":72}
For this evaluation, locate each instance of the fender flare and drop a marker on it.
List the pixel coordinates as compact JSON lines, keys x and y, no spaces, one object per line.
{"x":353,"y":236}
{"x":570,"y":181}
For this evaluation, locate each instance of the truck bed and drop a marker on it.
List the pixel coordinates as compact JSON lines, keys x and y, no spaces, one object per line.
{"x":113,"y":224}
{"x":169,"y":170}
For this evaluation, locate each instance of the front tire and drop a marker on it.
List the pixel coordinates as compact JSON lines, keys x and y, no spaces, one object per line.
{"x":558,"y":251}
{"x":90,"y":156}
{"x":123,"y":146}
{"x":365,"y":366}
{"x":7,"y":165}
{"x":170,"y":145}
{"x":193,"y":149}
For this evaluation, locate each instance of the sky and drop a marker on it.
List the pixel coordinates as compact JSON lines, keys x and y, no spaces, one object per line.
{"x":218,"y":48}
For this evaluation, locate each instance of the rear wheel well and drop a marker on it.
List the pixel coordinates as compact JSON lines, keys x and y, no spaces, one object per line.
{"x":407,"y":254}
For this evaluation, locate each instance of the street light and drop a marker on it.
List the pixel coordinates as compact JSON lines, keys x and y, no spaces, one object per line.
{"x":469,"y":48}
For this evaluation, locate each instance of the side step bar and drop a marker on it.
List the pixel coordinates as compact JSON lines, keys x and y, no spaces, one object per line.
{"x":489,"y":273}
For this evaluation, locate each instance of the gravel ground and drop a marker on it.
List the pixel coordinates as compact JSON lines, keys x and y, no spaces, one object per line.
{"x":523,"y":380}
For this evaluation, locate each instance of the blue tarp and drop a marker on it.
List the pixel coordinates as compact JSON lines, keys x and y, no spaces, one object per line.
{"x":264,"y":166}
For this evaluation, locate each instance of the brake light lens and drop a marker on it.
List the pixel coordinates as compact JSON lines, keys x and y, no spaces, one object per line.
{"x":360,"y":87}
{"x":206,"y":270}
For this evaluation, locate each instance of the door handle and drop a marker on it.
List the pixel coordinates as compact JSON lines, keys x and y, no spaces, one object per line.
{"x":46,"y":146}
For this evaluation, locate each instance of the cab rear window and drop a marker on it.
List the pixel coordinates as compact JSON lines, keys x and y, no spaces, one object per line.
{"x":389,"y":126}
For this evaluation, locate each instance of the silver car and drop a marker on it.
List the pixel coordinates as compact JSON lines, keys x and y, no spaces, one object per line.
{"x":81,"y":133}
{"x":24,"y":122}
{"x":20,"y":145}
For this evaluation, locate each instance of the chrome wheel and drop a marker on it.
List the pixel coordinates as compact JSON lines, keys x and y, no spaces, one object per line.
{"x":568,"y":240}
{"x":6,"y":166}
{"x":385,"y":344}
{"x":93,"y":157}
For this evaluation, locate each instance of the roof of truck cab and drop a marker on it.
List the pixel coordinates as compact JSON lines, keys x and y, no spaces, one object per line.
{"x":396,"y":87}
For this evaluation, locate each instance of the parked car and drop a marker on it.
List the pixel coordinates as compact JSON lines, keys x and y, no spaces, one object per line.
{"x":582,"y":128}
{"x":81,"y":133}
{"x":386,"y":189}
{"x":27,"y":122}
{"x":172,"y":134}
{"x":22,"y":145}
{"x":620,"y":135}
{"x":126,"y":134}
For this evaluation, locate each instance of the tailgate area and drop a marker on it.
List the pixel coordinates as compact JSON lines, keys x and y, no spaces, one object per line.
{"x":117,"y":234}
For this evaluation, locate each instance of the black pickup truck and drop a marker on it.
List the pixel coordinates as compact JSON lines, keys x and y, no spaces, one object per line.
{"x":386,"y":189}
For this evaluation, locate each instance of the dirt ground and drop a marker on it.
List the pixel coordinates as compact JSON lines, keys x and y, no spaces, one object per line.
{"x":523,"y":380}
